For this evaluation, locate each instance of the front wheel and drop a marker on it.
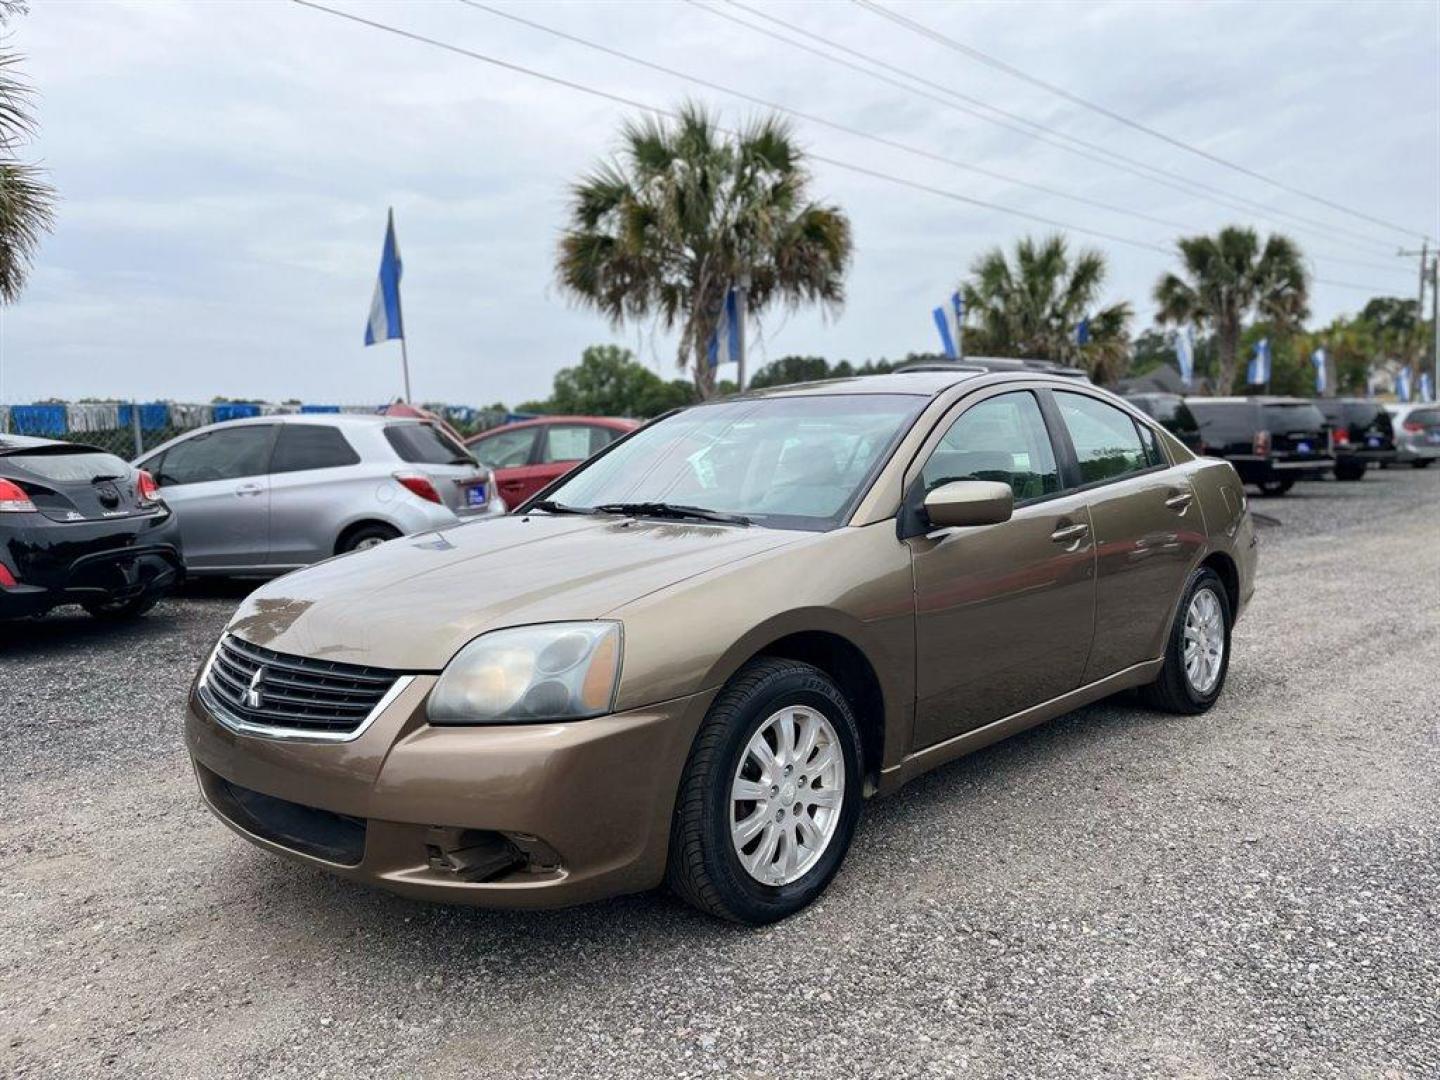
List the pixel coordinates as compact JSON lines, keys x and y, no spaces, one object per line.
{"x":1197,"y":655}
{"x":770,"y":795}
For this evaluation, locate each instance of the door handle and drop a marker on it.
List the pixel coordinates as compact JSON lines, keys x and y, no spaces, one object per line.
{"x":1180,"y":500}
{"x":1066,"y":533}
{"x":249,"y":489}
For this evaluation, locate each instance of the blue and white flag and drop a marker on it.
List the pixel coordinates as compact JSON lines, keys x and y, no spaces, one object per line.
{"x":385,"y":322}
{"x":725,"y":341}
{"x":1082,"y":332}
{"x":1427,"y":391}
{"x":1402,"y":384}
{"x":1259,"y":372}
{"x":943,"y":325}
{"x":1185,"y":354}
{"x":957,"y":304}
{"x":1318,"y":359}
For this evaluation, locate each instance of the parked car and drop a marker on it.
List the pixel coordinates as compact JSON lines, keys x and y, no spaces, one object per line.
{"x":1417,"y":433}
{"x":1361,"y":435}
{"x":80,"y":526}
{"x":1171,"y":410}
{"x":1271,"y":441}
{"x":267,"y":494}
{"x":696,"y":655}
{"x":529,"y":454}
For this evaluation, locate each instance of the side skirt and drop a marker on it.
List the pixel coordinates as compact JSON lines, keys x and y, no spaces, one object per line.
{"x":923,"y":761}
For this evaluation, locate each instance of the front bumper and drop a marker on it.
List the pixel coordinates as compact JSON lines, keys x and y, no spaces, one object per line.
{"x":535,"y":815}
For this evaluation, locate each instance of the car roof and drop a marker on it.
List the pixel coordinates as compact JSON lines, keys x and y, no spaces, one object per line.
{"x":12,"y":443}
{"x":922,"y":383}
{"x":620,"y":423}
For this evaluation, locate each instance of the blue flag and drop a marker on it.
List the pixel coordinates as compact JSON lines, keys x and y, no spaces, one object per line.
{"x":943,"y":325}
{"x":385,"y":322}
{"x":1402,"y":384}
{"x":1318,"y":359}
{"x":1427,"y":392}
{"x":1259,"y":372}
{"x":725,"y":341}
{"x":1082,"y":332}
{"x":1185,"y":354}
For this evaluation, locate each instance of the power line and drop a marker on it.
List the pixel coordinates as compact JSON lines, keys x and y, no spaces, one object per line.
{"x":671,"y":114}
{"x":985,"y":58}
{"x":812,"y":118}
{"x":1031,"y":129}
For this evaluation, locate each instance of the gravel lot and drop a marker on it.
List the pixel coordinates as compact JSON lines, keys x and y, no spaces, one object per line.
{"x":1120,"y":893}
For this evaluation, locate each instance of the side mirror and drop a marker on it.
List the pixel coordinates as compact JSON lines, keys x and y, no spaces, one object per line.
{"x":969,"y":502}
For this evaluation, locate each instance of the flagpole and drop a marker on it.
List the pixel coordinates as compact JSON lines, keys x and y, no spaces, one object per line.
{"x":404,"y":358}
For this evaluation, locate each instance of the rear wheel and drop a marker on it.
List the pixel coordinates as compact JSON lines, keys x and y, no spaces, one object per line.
{"x":1197,"y":655}
{"x":365,"y":537}
{"x":119,"y":610}
{"x":1352,"y":470}
{"x":1275,"y":488}
{"x":770,"y":795}
{"x":1423,"y":463}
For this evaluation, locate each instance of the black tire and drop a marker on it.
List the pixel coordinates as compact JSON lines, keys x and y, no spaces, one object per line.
{"x":704,"y":869}
{"x":1172,"y":691}
{"x":1354,"y":470}
{"x":1423,"y":463}
{"x":1275,"y":488}
{"x":120,"y":610}
{"x":365,"y":536}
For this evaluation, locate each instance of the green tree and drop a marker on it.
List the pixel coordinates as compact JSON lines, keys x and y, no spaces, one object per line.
{"x":1030,"y":307}
{"x":609,"y":382}
{"x":792,"y":369}
{"x":26,"y":200}
{"x":1229,"y":278}
{"x":687,"y":210}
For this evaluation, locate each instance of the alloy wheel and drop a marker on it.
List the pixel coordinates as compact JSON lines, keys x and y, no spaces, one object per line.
{"x":1204,"y":641}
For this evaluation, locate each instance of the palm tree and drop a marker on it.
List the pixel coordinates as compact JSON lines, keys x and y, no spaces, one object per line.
{"x":684,"y":212}
{"x":1033,"y":307}
{"x":26,"y":200}
{"x":1228,"y":279}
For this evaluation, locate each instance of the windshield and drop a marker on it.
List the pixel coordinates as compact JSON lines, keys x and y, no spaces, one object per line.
{"x":798,"y":463}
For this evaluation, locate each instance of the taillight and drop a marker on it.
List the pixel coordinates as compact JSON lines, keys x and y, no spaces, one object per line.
{"x":1261,"y":446}
{"x":13,"y":499}
{"x":7,"y":579}
{"x":419,"y":485}
{"x":146,"y":490}
{"x":1342,"y":436}
{"x":1413,"y":428}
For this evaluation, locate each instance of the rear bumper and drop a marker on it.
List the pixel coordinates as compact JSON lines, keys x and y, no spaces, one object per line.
{"x":542,"y":815}
{"x":1362,"y":456}
{"x":1416,"y":451}
{"x":58,"y":563}
{"x":1264,"y":470}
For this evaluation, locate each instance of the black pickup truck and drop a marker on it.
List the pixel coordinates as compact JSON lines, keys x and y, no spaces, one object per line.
{"x":1271,"y":441}
{"x":1364,"y":435}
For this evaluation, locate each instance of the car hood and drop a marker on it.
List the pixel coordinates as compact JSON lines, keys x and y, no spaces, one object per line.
{"x":412,"y":603}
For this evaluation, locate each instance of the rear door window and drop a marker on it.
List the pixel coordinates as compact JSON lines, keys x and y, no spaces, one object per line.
{"x":505,"y":449}
{"x":300,"y":447}
{"x":222,"y":454}
{"x":425,"y":444}
{"x":1106,"y":439}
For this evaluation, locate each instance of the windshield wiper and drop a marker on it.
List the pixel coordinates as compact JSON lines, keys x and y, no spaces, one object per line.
{"x":550,"y":506}
{"x":672,"y":510}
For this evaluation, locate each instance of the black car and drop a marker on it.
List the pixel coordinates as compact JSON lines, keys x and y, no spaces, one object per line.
{"x":1363,"y":435}
{"x":1171,"y":410}
{"x":80,"y":526}
{"x":1271,"y":441}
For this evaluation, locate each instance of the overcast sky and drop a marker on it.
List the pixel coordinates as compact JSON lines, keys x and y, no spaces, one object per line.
{"x":224,"y":170}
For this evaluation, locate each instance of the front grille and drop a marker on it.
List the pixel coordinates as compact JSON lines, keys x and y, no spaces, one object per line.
{"x":294,"y":692}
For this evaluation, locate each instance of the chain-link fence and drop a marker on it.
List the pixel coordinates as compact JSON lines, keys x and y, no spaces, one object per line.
{"x":129,"y":428}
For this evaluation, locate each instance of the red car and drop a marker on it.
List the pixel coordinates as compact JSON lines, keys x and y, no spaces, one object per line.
{"x":528,"y":454}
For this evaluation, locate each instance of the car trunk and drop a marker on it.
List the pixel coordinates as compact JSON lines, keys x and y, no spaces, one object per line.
{"x":1298,"y":432}
{"x":75,"y":483}
{"x":464,"y":486}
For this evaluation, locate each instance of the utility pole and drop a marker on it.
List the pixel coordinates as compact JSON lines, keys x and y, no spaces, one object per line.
{"x":742,"y":303}
{"x":1435,"y":327}
{"x":1416,"y":345}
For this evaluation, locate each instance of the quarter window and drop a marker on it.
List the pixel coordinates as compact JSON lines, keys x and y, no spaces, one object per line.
{"x":223,"y":454}
{"x":1106,"y":439}
{"x":311,"y":446}
{"x":1002,"y":438}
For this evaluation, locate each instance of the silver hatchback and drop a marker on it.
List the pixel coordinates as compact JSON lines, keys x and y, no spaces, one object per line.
{"x":269,"y":494}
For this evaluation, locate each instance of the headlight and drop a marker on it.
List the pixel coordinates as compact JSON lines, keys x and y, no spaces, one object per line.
{"x":553,"y":671}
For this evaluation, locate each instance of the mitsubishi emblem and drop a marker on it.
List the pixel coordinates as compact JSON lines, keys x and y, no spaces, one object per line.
{"x":253,"y":697}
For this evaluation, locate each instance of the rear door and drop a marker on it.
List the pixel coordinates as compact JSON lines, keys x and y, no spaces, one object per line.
{"x":510,"y":454}
{"x":312,"y":479}
{"x":1148,"y":532}
{"x":1004,"y":613}
{"x":216,"y":483}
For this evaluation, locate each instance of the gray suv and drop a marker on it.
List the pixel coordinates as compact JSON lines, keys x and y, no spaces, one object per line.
{"x":268,"y":494}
